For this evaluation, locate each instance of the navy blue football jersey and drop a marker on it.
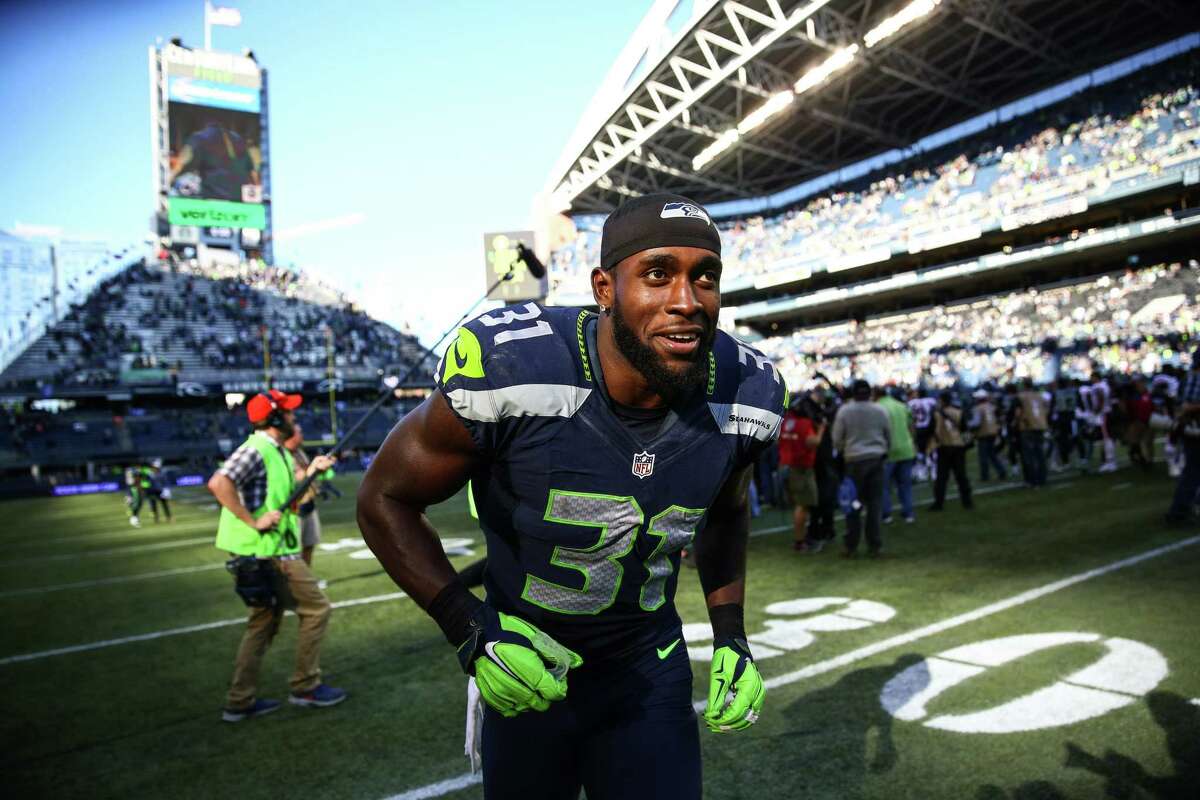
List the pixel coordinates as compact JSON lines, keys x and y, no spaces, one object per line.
{"x":583,"y":519}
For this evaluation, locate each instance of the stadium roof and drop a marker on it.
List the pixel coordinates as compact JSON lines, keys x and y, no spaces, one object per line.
{"x":755,"y":96}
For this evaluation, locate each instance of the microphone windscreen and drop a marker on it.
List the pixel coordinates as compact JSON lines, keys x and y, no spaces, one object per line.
{"x":535,"y":267}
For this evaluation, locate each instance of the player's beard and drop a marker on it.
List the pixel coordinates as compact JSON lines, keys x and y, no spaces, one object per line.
{"x":670,"y":384}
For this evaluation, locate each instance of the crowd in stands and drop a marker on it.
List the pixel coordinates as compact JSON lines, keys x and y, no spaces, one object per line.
{"x":1009,"y":175}
{"x":1124,"y":321}
{"x":258,"y":275}
{"x":185,"y":317}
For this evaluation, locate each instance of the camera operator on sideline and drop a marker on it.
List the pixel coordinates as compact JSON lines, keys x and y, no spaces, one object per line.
{"x":252,"y":486}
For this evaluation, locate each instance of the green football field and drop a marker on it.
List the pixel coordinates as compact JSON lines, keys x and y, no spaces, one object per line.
{"x":1043,"y":646}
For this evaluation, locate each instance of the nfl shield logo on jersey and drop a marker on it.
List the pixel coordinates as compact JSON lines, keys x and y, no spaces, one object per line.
{"x":643,"y":464}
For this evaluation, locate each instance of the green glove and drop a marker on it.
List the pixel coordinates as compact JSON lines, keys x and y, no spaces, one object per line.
{"x":516,"y":666}
{"x":735,"y":689}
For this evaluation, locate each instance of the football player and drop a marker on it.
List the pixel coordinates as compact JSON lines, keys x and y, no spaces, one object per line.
{"x":598,"y":447}
{"x":922,"y":407}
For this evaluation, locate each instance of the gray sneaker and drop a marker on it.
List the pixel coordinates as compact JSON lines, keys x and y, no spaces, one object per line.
{"x":260,"y":708}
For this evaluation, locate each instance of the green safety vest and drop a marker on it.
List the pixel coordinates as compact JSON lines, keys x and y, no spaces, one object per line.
{"x":902,"y":448}
{"x":235,"y":536}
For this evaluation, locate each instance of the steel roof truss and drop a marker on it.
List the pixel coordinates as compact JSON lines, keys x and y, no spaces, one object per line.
{"x":716,"y":58}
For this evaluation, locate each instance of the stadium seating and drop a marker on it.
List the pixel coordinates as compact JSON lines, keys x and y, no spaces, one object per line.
{"x":1034,"y":167}
{"x":185,"y":323}
{"x":1122,"y":321}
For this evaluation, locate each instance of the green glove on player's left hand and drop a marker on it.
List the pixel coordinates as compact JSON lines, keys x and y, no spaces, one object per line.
{"x":516,"y":666}
{"x":735,"y":689}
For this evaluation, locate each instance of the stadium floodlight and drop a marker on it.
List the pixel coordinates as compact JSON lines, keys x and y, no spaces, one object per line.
{"x":775,"y":103}
{"x":905,"y":16}
{"x":818,"y":74}
{"x":725,"y":141}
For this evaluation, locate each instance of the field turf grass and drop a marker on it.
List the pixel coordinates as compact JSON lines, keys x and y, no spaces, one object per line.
{"x":140,"y":718}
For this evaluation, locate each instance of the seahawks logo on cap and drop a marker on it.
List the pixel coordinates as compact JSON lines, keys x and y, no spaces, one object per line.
{"x":672,"y":210}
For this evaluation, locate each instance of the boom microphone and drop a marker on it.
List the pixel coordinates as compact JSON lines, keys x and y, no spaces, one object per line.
{"x":536,"y":268}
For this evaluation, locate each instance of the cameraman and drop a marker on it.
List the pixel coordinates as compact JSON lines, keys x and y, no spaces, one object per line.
{"x":261,"y":475}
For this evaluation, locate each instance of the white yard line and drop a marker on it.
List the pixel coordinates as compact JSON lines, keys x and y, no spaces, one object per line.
{"x":141,"y":576}
{"x":207,"y":626}
{"x":150,"y":531}
{"x":440,"y":788}
{"x":462,"y":781}
{"x":112,"y":551}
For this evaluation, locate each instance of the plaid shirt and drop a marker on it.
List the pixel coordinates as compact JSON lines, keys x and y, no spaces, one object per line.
{"x":248,"y":473}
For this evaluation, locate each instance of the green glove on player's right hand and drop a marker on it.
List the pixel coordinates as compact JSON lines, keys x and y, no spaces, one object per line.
{"x":736,"y":691}
{"x":516,"y":666}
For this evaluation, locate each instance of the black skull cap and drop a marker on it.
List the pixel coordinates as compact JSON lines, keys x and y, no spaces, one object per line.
{"x":656,"y":220}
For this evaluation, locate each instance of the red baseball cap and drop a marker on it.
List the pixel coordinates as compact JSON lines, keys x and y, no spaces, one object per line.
{"x":261,"y":405}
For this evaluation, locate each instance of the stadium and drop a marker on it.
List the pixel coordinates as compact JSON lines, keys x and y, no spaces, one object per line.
{"x":981,"y":214}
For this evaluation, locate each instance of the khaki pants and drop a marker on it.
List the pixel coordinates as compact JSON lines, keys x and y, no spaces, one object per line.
{"x":313,"y":609}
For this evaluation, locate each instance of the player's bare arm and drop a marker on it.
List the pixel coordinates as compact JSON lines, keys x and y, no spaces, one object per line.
{"x":426,"y":459}
{"x":721,"y":548}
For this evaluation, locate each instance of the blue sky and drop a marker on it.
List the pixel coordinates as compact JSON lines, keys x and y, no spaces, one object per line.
{"x":436,"y":120}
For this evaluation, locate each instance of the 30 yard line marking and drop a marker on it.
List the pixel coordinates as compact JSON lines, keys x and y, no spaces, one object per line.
{"x":206,"y":626}
{"x":141,"y":576}
{"x":962,"y":619}
{"x":467,"y":779}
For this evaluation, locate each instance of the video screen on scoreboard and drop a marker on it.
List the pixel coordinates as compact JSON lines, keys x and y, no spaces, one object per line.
{"x":214,"y":151}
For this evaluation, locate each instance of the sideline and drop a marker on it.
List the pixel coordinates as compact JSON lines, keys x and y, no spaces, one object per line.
{"x":446,"y":786}
{"x":1061,"y":483}
{"x":207,"y":626}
